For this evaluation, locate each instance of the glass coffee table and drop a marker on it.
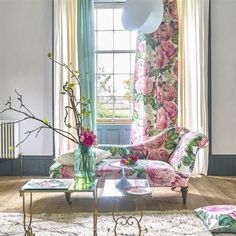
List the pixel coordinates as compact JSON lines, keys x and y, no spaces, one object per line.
{"x":140,"y":191}
{"x":51,"y":186}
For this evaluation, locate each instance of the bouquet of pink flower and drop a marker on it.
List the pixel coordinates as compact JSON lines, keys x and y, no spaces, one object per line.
{"x":87,"y":138}
{"x":129,"y":160}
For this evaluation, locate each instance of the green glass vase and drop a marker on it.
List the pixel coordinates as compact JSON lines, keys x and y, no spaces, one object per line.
{"x":84,"y":167}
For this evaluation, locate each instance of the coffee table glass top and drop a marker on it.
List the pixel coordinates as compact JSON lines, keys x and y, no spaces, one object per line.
{"x":140,"y":187}
{"x":53,"y":185}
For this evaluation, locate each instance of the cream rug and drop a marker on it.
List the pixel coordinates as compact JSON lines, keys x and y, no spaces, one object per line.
{"x":158,"y":223}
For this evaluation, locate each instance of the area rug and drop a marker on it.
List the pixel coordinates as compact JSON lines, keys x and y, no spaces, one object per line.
{"x":158,"y":223}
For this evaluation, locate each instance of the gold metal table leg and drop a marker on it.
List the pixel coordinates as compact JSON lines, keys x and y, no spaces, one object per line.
{"x":95,"y":212}
{"x":128,"y":220}
{"x":27,"y":227}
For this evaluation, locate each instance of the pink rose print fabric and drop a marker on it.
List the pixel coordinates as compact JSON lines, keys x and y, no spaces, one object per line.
{"x":218,"y":218}
{"x":155,"y":78}
{"x":166,"y":159}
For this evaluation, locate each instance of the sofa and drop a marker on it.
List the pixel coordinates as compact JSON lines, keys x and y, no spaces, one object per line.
{"x":166,"y":159}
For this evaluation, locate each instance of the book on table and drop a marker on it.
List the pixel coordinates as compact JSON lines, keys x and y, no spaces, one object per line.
{"x":48,"y":184}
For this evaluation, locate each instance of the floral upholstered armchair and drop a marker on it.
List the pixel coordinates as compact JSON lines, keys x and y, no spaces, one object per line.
{"x":166,"y":160}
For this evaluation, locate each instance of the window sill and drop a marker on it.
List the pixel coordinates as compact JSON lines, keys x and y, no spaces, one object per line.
{"x":114,"y":121}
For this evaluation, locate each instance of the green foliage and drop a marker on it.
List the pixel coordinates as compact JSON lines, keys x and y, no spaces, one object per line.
{"x":50,"y":54}
{"x":45,"y":120}
{"x":225,"y":220}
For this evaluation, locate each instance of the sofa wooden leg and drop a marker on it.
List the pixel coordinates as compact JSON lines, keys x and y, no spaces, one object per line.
{"x":67,"y":195}
{"x":184,"y":191}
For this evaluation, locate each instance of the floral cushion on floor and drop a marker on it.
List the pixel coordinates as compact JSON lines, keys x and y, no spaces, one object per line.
{"x":218,"y":218}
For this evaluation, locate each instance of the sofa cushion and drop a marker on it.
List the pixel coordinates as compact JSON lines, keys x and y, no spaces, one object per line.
{"x":218,"y":218}
{"x":67,"y":157}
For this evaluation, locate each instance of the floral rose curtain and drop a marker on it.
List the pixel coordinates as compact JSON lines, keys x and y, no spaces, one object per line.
{"x":155,"y":77}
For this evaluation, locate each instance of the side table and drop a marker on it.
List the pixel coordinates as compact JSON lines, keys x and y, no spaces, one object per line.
{"x":140,"y":191}
{"x":51,"y":186}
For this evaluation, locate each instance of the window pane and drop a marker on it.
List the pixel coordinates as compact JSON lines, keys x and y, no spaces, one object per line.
{"x":122,"y":85}
{"x":105,"y":40}
{"x":132,"y":66}
{"x":133,"y":40}
{"x":105,"y":63}
{"x":104,"y":19}
{"x":121,"y":40}
{"x":122,"y":107}
{"x":104,"y":85}
{"x":117,"y":19}
{"x":122,"y":63}
{"x":114,"y":68}
{"x":105,"y":107}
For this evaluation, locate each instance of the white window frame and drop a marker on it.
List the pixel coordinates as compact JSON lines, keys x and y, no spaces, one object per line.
{"x":112,"y":4}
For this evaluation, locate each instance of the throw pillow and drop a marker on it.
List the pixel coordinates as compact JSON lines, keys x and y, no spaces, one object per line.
{"x":218,"y":218}
{"x":67,"y":157}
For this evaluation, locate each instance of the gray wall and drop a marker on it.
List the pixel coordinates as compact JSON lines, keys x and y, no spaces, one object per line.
{"x":223,"y":85}
{"x":26,"y":38}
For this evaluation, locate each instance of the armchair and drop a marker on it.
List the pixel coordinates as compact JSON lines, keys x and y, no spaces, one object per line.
{"x":166,"y":160}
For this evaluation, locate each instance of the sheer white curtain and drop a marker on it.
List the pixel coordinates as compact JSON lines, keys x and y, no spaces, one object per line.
{"x":65,"y":50}
{"x":193,"y":71}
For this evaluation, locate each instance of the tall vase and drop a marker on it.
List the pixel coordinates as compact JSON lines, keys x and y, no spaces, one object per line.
{"x":84,"y":167}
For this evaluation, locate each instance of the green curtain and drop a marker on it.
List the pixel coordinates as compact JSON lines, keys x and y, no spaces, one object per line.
{"x":86,"y":57}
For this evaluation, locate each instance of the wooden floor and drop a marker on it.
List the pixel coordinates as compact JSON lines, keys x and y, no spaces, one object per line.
{"x":202,"y":191}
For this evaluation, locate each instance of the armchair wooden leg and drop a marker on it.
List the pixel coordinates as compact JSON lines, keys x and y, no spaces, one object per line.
{"x":67,"y":196}
{"x":184,"y":191}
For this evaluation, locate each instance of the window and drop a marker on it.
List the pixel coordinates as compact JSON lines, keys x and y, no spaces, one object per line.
{"x":115,"y":58}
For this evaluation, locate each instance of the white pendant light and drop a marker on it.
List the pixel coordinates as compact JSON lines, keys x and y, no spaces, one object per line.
{"x":144,"y":15}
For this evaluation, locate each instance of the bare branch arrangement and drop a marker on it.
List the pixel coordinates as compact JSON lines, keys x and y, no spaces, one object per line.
{"x":77,"y":106}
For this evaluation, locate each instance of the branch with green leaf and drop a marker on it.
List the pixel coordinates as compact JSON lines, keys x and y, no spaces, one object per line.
{"x":78,"y":107}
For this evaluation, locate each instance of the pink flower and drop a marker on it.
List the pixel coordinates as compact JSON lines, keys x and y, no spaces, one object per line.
{"x":144,"y":85}
{"x":142,"y":68}
{"x":181,"y":182}
{"x":129,"y":160}
{"x":164,"y":32}
{"x":87,"y":138}
{"x":162,"y":120}
{"x":173,"y":10}
{"x":220,"y":208}
{"x":141,"y":46}
{"x":177,"y":156}
{"x":168,"y":48}
{"x":233,"y":214}
{"x":67,"y":171}
{"x":171,"y":109}
{"x":175,"y":70}
{"x":122,"y":161}
{"x":169,"y":92}
{"x":203,"y":142}
{"x":156,"y":141}
{"x":159,"y":94}
{"x":161,"y":59}
{"x":160,"y":176}
{"x":162,"y":154}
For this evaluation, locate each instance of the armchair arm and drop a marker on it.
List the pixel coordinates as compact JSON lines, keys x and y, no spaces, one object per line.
{"x":183,"y":159}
